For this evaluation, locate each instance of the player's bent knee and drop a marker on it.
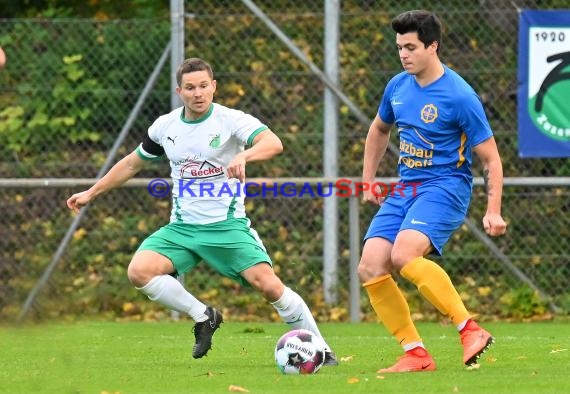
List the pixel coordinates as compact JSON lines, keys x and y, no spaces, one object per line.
{"x":136,"y":275}
{"x":140,"y":274}
{"x":270,"y":287}
{"x":364,"y":272}
{"x":399,"y":260}
{"x":146,"y":265}
{"x":273,"y":294}
{"x":368,"y":270}
{"x":401,"y":257}
{"x":262,"y":278}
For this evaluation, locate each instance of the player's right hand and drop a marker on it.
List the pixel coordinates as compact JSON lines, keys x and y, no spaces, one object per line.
{"x":375,"y":197}
{"x":78,"y":201}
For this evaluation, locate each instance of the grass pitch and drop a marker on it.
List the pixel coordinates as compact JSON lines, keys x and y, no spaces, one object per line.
{"x":135,"y":357}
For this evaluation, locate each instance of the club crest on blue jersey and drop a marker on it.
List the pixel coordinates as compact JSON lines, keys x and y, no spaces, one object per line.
{"x":429,"y":113}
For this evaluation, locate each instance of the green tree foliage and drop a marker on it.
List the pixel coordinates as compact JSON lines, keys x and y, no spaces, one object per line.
{"x":100,"y":9}
{"x":60,"y":100}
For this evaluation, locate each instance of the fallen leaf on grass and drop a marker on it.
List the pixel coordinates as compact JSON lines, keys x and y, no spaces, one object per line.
{"x":209,"y":373}
{"x":558,"y":351}
{"x":237,"y":389}
{"x":347,"y":358}
{"x":353,"y":380}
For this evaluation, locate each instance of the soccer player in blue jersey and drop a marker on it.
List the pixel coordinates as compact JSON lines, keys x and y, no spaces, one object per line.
{"x":440,"y":121}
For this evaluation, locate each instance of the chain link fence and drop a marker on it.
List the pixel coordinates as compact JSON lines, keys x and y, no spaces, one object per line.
{"x":69,"y":86}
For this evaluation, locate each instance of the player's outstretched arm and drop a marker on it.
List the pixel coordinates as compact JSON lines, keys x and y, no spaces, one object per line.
{"x":265,"y":145}
{"x":487,"y":151}
{"x":117,"y":175}
{"x":374,"y":150}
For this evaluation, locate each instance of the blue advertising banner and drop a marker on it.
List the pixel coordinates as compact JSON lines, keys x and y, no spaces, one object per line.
{"x":544,"y":83}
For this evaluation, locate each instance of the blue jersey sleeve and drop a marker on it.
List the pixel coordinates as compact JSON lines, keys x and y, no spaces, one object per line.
{"x":472,"y":119}
{"x":385,"y":110}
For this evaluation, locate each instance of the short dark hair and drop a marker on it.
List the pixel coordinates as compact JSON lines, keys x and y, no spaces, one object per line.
{"x":193,"y":64}
{"x":425,"y":23}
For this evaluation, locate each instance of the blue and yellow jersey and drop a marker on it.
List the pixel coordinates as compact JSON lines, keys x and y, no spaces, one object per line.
{"x":438,"y":125}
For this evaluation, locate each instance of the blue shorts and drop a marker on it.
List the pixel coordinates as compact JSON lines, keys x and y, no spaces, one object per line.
{"x":433,"y":212}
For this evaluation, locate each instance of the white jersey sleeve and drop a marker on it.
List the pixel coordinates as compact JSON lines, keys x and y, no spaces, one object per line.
{"x":246,"y":127}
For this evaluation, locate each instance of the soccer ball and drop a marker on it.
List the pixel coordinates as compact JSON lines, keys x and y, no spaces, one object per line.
{"x":299,"y":352}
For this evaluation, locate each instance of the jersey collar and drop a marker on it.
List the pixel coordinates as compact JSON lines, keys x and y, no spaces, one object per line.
{"x":200,"y":119}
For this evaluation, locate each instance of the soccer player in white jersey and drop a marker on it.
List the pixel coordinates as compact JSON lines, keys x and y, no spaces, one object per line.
{"x":205,"y":143}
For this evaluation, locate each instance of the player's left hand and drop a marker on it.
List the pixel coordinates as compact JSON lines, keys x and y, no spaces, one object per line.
{"x":236,"y":168}
{"x":494,"y":224}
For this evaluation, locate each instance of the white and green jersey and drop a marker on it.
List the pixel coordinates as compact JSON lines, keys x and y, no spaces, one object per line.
{"x":199,"y":152}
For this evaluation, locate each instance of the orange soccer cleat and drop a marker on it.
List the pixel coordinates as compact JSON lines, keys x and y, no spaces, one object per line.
{"x":475,"y":342}
{"x":415,"y":360}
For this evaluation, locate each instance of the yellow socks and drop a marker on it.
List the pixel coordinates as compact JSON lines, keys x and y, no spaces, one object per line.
{"x":392,"y":309}
{"x":434,"y":284}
